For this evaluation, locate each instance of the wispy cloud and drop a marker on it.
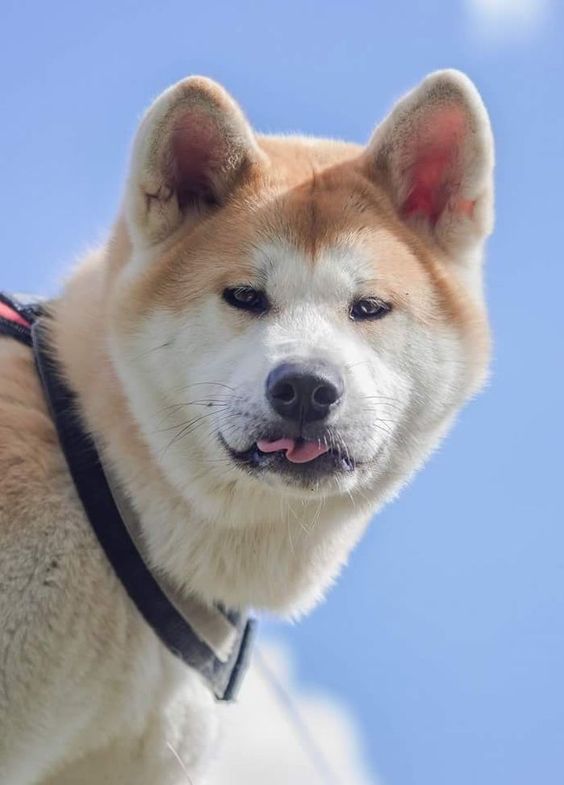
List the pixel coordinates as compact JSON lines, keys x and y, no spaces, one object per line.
{"x":261,"y":743}
{"x":498,"y":20}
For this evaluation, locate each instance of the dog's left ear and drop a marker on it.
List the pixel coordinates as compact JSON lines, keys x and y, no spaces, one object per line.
{"x":194,"y":146}
{"x":434,"y":155}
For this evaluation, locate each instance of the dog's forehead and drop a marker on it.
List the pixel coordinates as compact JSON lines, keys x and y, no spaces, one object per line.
{"x":372,"y":262}
{"x":288,"y":272}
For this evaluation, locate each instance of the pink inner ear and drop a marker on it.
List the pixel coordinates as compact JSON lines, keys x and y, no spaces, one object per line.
{"x":197,"y":148}
{"x":436,"y":166}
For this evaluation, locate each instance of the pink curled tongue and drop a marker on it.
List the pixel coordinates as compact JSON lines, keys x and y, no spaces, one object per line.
{"x":296,"y":452}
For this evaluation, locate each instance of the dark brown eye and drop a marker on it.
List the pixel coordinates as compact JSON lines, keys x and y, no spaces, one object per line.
{"x":246,"y":298}
{"x":369,"y":308}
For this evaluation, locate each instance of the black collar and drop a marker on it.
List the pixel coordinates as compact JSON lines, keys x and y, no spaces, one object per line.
{"x":212,"y":640}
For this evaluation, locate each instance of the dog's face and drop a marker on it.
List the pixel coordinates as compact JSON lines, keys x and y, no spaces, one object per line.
{"x":295,"y":367}
{"x":296,"y":317}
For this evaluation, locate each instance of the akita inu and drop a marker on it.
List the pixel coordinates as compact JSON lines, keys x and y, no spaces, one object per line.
{"x":277,"y":333}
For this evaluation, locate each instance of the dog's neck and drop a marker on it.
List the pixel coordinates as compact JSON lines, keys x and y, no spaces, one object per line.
{"x":282,"y":561}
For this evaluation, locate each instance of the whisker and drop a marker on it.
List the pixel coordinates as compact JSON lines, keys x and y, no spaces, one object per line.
{"x":180,"y":763}
{"x":217,"y":410}
{"x":380,"y":419}
{"x":189,"y":427}
{"x":200,"y":384}
{"x":195,"y":402}
{"x":385,"y":430}
{"x":384,"y":397}
{"x":145,"y":352}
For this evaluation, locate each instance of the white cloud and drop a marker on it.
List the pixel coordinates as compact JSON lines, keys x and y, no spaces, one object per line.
{"x":261,"y":745}
{"x":507,"y":19}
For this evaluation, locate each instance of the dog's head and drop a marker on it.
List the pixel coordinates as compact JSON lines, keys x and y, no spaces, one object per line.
{"x":301,"y":318}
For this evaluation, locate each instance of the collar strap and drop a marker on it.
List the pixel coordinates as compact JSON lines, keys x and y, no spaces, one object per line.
{"x":212,"y":640}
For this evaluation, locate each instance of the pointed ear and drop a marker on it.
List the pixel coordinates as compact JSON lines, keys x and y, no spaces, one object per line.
{"x":193,"y":146}
{"x":434,"y":155}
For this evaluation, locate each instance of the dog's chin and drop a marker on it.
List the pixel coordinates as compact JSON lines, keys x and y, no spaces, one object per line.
{"x":331,"y":469}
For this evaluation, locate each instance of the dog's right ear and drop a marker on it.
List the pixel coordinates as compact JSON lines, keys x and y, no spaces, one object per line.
{"x":193,"y":146}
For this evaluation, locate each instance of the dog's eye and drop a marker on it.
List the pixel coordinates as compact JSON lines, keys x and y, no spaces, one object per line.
{"x":369,"y":308}
{"x":247,"y":298}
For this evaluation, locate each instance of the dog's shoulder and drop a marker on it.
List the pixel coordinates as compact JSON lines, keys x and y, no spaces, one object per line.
{"x":32,"y":468}
{"x":42,"y":527}
{"x":50,"y":562}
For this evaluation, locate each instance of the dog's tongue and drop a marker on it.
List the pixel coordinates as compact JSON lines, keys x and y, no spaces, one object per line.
{"x":296,"y":452}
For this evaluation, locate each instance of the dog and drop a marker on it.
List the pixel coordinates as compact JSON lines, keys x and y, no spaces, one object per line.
{"x":277,"y":333}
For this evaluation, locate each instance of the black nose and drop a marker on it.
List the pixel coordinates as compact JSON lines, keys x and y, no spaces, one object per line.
{"x":304,"y":393}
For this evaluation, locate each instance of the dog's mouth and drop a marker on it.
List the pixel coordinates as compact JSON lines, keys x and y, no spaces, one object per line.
{"x":297,"y":457}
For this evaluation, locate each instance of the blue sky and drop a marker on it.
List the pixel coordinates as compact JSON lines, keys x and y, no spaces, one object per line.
{"x":445,"y":635}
